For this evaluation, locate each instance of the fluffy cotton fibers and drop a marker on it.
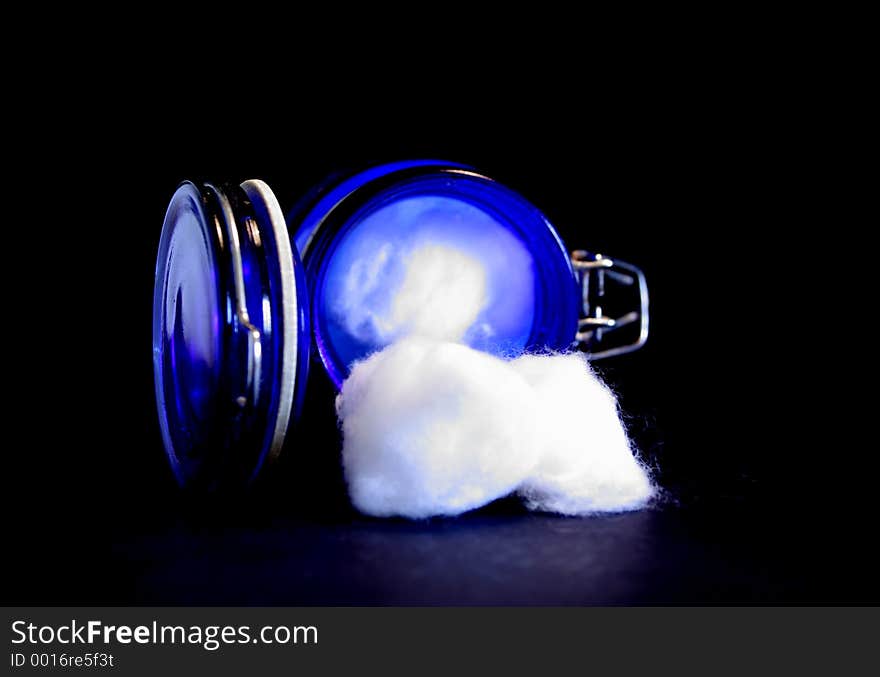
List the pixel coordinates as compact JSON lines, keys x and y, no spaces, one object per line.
{"x":442,"y":293}
{"x":586,"y":463}
{"x":437,"y":428}
{"x":436,"y":291}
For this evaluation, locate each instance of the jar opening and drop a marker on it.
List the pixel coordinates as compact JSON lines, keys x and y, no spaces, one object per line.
{"x":448,"y":254}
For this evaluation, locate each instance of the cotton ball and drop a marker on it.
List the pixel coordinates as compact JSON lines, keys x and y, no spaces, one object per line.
{"x":361,"y":305}
{"x":418,"y":288}
{"x":435,"y":428}
{"x":587,"y":464}
{"x":441,"y":295}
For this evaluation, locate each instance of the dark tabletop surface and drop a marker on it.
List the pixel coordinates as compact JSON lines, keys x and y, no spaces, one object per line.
{"x":648,"y":557}
{"x":724,"y":553}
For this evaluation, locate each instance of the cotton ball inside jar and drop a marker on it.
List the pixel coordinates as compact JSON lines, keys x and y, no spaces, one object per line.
{"x":442,"y":293}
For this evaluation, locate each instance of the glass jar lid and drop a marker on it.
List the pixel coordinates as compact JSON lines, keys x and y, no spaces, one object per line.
{"x":230,"y":333}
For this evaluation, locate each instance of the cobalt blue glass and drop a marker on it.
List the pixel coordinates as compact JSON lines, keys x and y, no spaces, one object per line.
{"x":230,"y":333}
{"x":352,"y":231}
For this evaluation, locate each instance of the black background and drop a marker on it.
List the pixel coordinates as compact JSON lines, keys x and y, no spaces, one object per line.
{"x":694,"y":173}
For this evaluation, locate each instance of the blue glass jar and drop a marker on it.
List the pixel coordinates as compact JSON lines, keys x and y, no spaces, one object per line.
{"x":357,"y":237}
{"x":233,"y":303}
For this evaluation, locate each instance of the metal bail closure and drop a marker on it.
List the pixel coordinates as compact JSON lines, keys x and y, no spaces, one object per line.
{"x":615,"y":296}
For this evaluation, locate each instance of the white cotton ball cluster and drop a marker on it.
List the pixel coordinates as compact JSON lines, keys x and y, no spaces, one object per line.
{"x":438,"y":428}
{"x":434,"y":428}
